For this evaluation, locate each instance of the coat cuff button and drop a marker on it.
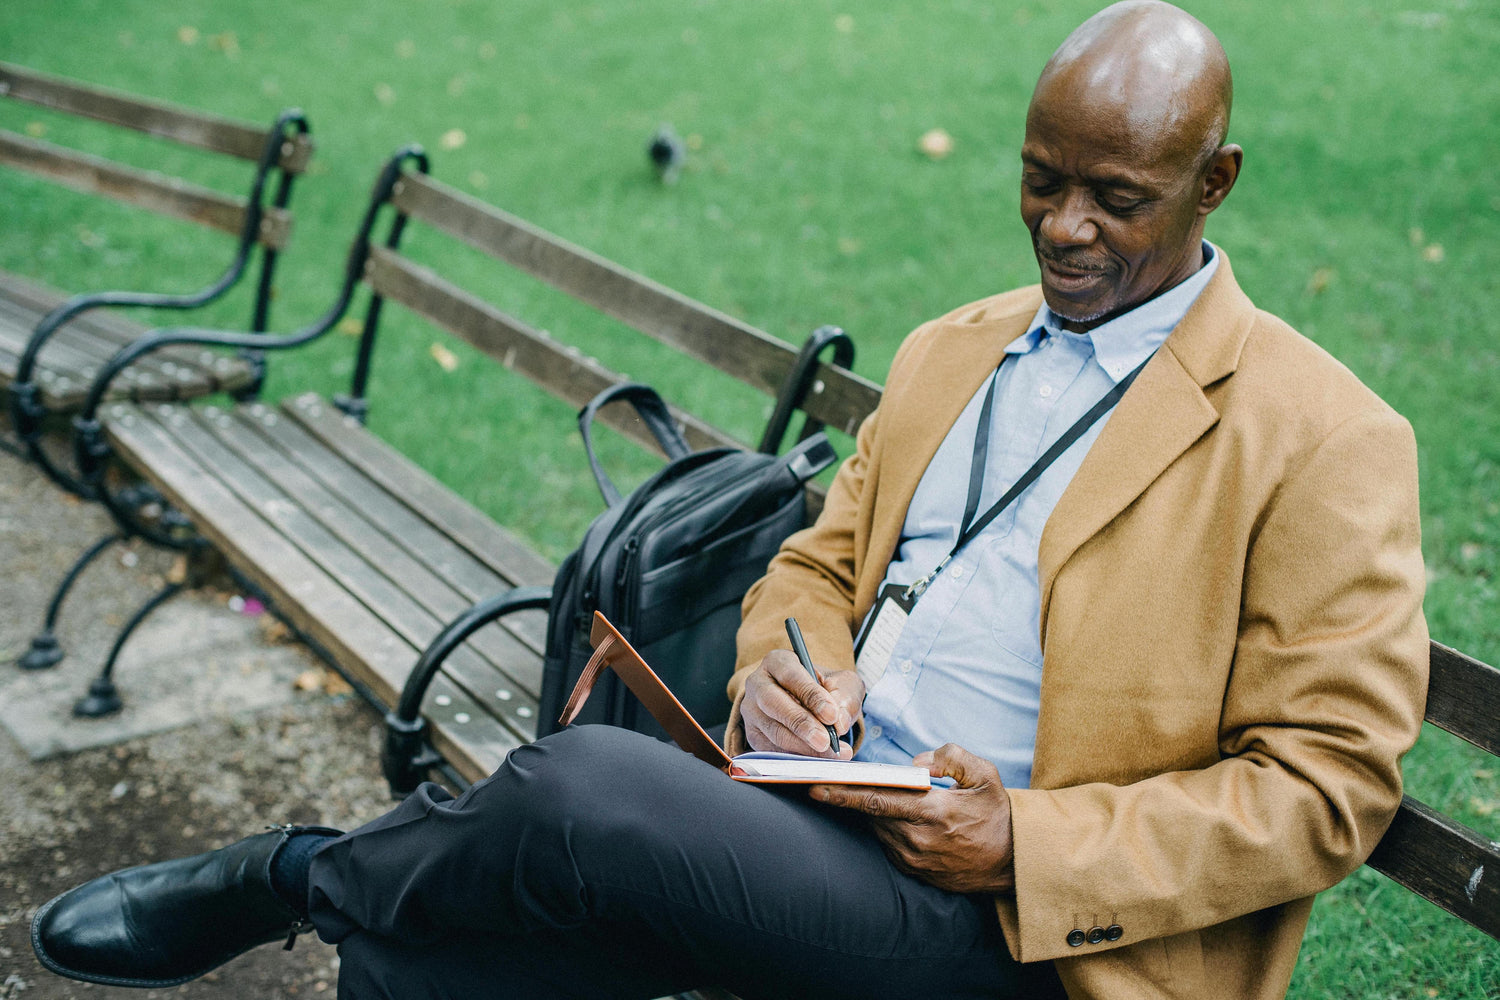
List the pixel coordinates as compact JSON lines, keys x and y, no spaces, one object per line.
{"x":1076,"y":938}
{"x":1096,"y":934}
{"x":1114,"y":932}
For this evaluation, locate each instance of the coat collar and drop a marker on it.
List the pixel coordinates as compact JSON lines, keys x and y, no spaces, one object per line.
{"x":1162,"y":415}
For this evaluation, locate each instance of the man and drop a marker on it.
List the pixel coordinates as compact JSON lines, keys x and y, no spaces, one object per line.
{"x":1172,"y":678}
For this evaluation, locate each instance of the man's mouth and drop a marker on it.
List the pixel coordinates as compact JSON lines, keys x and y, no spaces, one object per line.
{"x":1070,"y":275}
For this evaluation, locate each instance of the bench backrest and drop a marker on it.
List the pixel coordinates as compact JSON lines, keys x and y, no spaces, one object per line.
{"x":1432,"y":854}
{"x":149,"y":189}
{"x":836,"y":397}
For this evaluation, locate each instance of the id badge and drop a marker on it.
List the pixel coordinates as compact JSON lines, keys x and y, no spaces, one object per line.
{"x":882,"y":630}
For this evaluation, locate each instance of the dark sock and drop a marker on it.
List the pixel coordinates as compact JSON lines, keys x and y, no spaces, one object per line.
{"x":290,"y":866}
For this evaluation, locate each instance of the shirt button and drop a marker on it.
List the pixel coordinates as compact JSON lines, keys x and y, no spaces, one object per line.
{"x":874,"y":732}
{"x":958,"y":572}
{"x":906,"y":666}
{"x":1046,"y":391}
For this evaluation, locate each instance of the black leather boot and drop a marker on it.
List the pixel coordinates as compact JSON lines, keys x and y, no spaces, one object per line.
{"x":164,"y":924}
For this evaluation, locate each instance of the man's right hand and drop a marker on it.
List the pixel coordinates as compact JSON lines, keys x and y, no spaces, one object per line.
{"x":785,"y":709}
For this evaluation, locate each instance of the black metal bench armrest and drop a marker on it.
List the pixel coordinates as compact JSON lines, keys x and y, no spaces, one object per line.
{"x":406,"y":757}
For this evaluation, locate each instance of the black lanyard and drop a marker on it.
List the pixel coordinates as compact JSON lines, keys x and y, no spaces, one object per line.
{"x":970,"y":528}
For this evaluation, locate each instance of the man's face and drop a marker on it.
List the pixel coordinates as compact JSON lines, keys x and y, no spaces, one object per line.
{"x":1115,"y":207}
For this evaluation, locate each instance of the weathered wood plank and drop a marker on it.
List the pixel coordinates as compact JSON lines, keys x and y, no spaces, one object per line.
{"x":203,"y":435}
{"x":1463,"y":697}
{"x":359,"y":641}
{"x":469,"y":575}
{"x":840,"y":398}
{"x":498,"y":548}
{"x":143,"y":188}
{"x":558,"y":368}
{"x":1443,"y":861}
{"x":73,"y":355}
{"x":493,"y":661}
{"x":168,"y":121}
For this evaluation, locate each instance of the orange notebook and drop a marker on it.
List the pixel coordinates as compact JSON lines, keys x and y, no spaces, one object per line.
{"x":611,"y":650}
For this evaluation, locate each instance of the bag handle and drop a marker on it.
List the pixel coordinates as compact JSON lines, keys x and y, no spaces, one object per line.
{"x":799,"y":382}
{"x":796,"y":467}
{"x":653,"y":411}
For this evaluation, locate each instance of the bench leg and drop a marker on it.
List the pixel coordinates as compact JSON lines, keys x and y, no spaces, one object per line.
{"x":45,"y":651}
{"x":102,"y":698}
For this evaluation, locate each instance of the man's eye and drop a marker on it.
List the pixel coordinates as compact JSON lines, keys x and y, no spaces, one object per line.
{"x":1118,"y":205}
{"x":1039,"y":185}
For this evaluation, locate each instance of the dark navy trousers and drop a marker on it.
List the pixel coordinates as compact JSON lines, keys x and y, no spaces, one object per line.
{"x":601,"y":863}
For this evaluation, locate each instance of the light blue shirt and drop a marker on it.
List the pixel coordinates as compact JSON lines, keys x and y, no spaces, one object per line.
{"x":967,"y":668}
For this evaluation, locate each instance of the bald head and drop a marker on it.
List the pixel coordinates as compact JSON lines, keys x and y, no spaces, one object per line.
{"x":1125,"y":158}
{"x":1155,"y":66}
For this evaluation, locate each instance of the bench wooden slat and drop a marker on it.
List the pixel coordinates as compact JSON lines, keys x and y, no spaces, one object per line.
{"x":399,"y":475}
{"x":143,"y":188}
{"x":359,"y":640}
{"x":1463,"y":697}
{"x":467,"y":573}
{"x":560,"y":370}
{"x":282,"y":485}
{"x":700,"y":331}
{"x":1443,"y":861}
{"x":204,"y":436}
{"x":99,"y":333}
{"x":168,"y":121}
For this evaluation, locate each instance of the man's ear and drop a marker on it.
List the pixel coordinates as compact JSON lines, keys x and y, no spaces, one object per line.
{"x":1223,"y":170}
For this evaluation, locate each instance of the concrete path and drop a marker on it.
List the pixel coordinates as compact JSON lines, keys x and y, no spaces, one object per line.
{"x":227,"y":728}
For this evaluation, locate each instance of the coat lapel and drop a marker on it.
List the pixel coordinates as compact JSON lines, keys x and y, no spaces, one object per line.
{"x":1160,"y":417}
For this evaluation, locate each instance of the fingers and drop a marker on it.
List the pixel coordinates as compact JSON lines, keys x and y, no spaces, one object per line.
{"x":848,"y":692}
{"x":785,"y":709}
{"x":887,"y":803}
{"x":952,"y":761}
{"x":788,"y":672}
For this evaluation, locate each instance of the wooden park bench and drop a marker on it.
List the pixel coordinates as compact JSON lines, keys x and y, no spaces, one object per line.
{"x":51,"y":345}
{"x":378,"y":565}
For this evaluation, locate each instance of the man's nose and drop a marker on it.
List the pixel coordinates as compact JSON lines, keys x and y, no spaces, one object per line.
{"x":1068,"y":222}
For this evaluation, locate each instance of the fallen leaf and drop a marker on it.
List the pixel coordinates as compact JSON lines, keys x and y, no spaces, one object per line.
{"x":308,"y":680}
{"x":178,"y":571}
{"x":36,"y":129}
{"x":406,"y":48}
{"x":849,"y":246}
{"x":385,"y":94}
{"x":1320,"y":280}
{"x":694,"y":141}
{"x":487,"y":50}
{"x":1416,"y":236}
{"x":273,"y":630}
{"x":844,"y":24}
{"x":456,"y":86}
{"x":478,"y":180}
{"x":187,"y":35}
{"x":89,"y":238}
{"x":1469,"y":551}
{"x":226,"y":42}
{"x":446,"y":359}
{"x":350,"y":327}
{"x":453,"y":138}
{"x":335,"y":685}
{"x":1433,"y":253}
{"x":935,"y":143}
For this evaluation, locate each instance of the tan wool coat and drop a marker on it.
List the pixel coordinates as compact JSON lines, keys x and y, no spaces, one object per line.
{"x":1235,"y":658}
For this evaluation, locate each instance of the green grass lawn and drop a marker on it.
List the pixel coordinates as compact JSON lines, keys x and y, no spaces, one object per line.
{"x":1368,"y":216}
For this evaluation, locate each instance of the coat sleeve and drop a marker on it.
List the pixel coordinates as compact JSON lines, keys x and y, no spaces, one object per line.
{"x":1325,"y":696}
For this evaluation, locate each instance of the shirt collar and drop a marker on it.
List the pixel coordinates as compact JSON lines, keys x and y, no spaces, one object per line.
{"x":1127,"y":340}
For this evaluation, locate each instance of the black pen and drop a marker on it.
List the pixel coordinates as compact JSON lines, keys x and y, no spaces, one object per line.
{"x":800,"y":648}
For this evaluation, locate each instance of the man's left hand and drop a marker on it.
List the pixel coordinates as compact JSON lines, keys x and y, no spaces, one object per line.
{"x":957,"y":838}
